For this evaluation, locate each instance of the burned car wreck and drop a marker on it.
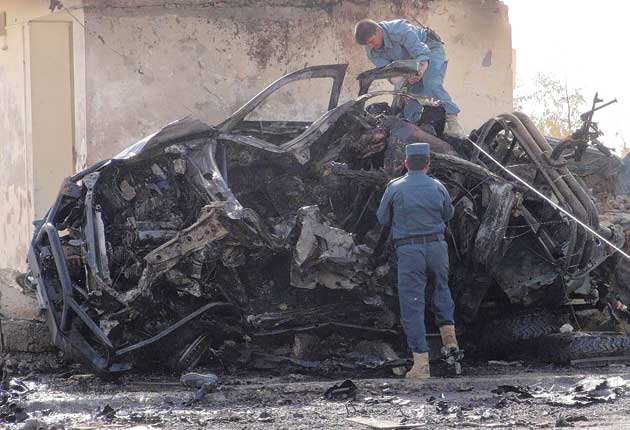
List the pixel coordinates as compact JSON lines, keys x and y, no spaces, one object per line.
{"x":244,"y":241}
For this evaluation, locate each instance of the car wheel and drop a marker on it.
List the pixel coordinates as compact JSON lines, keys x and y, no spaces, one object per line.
{"x":517,"y":334}
{"x":562,"y":348}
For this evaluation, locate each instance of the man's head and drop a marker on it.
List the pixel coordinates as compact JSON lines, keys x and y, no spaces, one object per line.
{"x":368,"y":32}
{"x":417,"y":156}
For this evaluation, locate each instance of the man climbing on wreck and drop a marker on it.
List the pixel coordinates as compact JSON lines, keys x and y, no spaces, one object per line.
{"x":389,"y":41}
{"x":418,"y":207}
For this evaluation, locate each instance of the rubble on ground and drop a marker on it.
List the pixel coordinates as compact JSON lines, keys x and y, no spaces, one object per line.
{"x":247,"y":242}
{"x":521,"y":400}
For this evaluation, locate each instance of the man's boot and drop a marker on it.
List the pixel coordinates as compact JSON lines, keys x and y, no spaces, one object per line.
{"x":420,"y":369}
{"x":450,"y":351}
{"x":449,"y":339}
{"x":452,"y":126}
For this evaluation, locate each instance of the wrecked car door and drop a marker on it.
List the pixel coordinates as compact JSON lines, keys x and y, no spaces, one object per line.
{"x":259,"y":133}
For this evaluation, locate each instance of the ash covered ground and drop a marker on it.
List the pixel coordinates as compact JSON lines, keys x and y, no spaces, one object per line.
{"x":518,"y":395}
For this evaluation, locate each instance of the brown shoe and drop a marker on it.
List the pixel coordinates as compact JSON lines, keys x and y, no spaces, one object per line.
{"x":420,"y":369}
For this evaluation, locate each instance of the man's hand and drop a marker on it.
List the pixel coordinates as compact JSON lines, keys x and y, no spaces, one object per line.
{"x":422,"y":67}
{"x":397,"y":80}
{"x":414,"y":79}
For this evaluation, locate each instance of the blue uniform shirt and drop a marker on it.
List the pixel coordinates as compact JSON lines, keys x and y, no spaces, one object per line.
{"x":404,"y":41}
{"x":420,"y":205}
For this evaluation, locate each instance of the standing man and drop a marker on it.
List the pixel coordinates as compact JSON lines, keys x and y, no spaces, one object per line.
{"x":418,"y":208}
{"x":389,"y":41}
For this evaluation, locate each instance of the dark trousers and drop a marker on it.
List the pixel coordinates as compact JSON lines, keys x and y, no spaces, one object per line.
{"x":414,"y":262}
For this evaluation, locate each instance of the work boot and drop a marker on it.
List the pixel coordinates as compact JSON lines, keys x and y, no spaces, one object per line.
{"x":449,"y":339}
{"x":451,"y":353}
{"x":452,"y":127}
{"x":420,"y":369}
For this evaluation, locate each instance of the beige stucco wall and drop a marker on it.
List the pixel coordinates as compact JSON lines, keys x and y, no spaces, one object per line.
{"x":33,"y":125}
{"x":149,"y":65}
{"x":15,"y":161}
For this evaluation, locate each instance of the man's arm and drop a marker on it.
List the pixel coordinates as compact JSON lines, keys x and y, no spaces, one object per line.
{"x":409,"y":39}
{"x":447,"y":208}
{"x":384,"y":212}
{"x":376,"y":59}
{"x":422,"y":67}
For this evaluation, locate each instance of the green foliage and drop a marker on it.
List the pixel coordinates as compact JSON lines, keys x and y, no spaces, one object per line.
{"x":552,"y":105}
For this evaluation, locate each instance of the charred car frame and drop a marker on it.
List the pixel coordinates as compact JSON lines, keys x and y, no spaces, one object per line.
{"x":247,"y":234}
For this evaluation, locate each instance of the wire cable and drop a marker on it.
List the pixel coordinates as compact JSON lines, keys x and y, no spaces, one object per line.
{"x":548,"y":200}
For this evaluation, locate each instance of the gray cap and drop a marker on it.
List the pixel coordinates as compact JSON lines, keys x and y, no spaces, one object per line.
{"x":418,"y":149}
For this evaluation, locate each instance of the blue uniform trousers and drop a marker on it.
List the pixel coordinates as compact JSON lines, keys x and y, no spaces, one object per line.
{"x":431,"y":85}
{"x":414,"y":262}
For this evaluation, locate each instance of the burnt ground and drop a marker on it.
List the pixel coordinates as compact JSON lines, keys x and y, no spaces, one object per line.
{"x":294,"y":401}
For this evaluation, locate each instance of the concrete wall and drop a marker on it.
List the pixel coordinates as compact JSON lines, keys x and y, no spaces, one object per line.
{"x":39,"y":141}
{"x":50,"y":44}
{"x":149,"y":62}
{"x":16,"y":194}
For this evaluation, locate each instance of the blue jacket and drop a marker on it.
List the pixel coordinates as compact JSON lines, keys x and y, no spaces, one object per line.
{"x":404,"y":41}
{"x":418,"y":205}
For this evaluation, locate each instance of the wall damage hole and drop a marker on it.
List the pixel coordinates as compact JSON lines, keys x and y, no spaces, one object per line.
{"x":487,"y":59}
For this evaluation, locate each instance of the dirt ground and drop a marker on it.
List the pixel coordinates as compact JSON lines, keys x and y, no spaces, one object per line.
{"x":75,"y":400}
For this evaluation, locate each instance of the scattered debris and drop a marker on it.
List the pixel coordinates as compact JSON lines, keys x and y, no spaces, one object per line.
{"x":204,"y":383}
{"x":464,"y":388}
{"x":265,"y":417}
{"x":584,"y":393}
{"x":35,"y":424}
{"x":378,"y":423}
{"x":378,"y":354}
{"x":443,"y":408}
{"x":199,"y":380}
{"x":256,"y":400}
{"x":563,"y":422}
{"x":522,"y":391}
{"x":344,"y":391}
{"x":568,"y":421}
{"x":81,"y":378}
{"x":107,"y":413}
{"x":12,"y":396}
{"x":576,"y":418}
{"x":505,"y":363}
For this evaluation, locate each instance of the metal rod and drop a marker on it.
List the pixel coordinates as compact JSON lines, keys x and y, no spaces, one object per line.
{"x":595,"y":109}
{"x":560,"y":208}
{"x":604,"y":105}
{"x":178,"y":324}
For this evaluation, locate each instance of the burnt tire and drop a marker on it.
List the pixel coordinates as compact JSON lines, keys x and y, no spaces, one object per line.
{"x":517,"y":334}
{"x":561,"y":348}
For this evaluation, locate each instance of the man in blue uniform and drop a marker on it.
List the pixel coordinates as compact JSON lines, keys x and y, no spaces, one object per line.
{"x":389,"y":41}
{"x":418,"y":207}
